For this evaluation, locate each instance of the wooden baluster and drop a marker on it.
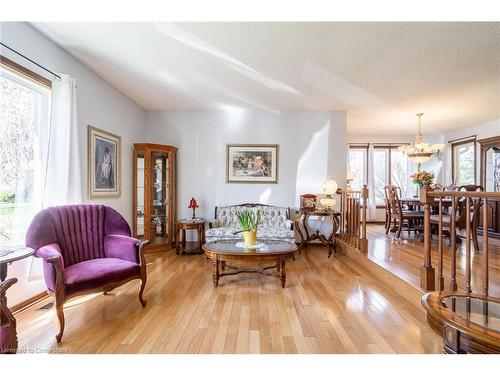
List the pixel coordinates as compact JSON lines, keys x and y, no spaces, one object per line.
{"x":453,"y":253}
{"x":486,"y":269}
{"x":468,"y":288}
{"x":364,"y":196}
{"x":440,"y":246}
{"x":427,"y":272}
{"x":342,"y":213}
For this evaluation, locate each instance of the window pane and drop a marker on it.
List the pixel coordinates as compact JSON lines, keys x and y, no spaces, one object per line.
{"x":463,"y":161}
{"x":401,"y":169}
{"x":20,"y":116}
{"x":357,"y":164}
{"x":379,"y":174}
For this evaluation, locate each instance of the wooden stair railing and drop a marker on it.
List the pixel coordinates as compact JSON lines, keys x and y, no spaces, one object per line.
{"x":471,"y":202}
{"x":353,"y":206}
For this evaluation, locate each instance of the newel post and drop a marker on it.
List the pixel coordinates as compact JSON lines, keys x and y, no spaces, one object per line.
{"x":427,"y":272}
{"x":363,"y":241}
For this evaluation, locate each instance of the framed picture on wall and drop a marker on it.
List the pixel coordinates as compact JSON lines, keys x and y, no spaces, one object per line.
{"x":252,"y":164}
{"x":104,"y":154}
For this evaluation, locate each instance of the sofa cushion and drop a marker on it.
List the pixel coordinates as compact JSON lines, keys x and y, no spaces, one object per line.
{"x":271,"y":216}
{"x":95,"y":273}
{"x":263,"y":233}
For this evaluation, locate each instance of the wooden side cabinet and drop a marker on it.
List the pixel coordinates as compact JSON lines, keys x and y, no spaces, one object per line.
{"x":155,"y":194}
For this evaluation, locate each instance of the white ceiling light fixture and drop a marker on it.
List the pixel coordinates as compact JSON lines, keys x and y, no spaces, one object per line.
{"x":420,"y":152}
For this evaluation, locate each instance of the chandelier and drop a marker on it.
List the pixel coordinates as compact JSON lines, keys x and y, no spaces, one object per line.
{"x":420,"y":152}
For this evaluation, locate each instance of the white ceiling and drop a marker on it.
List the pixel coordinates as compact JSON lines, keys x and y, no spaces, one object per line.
{"x":380,"y":73}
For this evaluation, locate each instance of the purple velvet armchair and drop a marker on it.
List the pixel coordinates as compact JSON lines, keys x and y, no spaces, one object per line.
{"x":86,"y":249}
{"x":8,"y":336}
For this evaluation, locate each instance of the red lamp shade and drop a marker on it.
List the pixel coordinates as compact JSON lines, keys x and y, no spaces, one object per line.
{"x":193,"y":203}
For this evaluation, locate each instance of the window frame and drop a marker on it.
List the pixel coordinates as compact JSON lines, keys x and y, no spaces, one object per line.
{"x":455,"y":144}
{"x":385,"y":146}
{"x":43,"y":87}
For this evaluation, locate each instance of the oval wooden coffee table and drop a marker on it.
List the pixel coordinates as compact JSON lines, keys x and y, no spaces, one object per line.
{"x":275,"y":252}
{"x":469,"y":323}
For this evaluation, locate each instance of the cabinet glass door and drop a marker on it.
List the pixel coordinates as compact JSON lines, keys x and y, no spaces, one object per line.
{"x":140,"y":195}
{"x":159,"y":198}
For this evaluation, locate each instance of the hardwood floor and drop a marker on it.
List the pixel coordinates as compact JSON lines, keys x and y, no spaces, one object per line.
{"x":330,"y":305}
{"x":404,"y":257}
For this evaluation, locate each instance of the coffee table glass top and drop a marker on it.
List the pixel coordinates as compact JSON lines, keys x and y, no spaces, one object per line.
{"x":478,"y":311}
{"x":269,"y":247}
{"x":10,"y":254}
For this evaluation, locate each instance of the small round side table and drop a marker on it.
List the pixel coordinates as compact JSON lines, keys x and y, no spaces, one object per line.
{"x":181,"y":226}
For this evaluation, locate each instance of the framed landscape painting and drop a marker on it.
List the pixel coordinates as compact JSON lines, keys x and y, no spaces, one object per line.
{"x":252,"y":164}
{"x":103,"y":163}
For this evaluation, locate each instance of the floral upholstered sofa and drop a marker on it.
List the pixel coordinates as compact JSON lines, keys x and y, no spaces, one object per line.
{"x":276,"y":223}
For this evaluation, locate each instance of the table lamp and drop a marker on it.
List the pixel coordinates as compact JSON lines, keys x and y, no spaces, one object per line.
{"x":194,"y":205}
{"x":329,"y":188}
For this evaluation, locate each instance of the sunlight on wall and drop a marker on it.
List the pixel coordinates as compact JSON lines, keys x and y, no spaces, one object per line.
{"x":264,"y":197}
{"x":313,"y":164}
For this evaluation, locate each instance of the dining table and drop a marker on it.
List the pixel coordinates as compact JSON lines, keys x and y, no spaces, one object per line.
{"x":414,"y":203}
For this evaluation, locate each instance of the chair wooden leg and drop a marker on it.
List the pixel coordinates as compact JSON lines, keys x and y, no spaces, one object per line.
{"x":60,"y":316}
{"x":400,"y":227}
{"x":141,"y":292}
{"x":474,"y":238}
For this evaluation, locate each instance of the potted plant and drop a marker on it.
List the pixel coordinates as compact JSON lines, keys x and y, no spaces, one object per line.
{"x":249,"y":223}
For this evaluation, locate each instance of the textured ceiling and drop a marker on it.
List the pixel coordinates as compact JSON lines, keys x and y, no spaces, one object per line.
{"x":380,"y":73}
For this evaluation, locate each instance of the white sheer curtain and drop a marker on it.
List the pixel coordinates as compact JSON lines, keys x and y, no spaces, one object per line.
{"x":60,"y":158}
{"x":61,"y":167}
{"x":372,"y":206}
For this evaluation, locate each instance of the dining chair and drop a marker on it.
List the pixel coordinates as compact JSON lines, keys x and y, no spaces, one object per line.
{"x":399,"y":216}
{"x":461,"y":215}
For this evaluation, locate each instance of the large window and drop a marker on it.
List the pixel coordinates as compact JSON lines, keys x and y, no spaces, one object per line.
{"x":24,"y":110}
{"x":357,"y":165}
{"x":390,"y":166}
{"x":464,"y":163}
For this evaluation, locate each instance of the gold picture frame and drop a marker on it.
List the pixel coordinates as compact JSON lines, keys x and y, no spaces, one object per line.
{"x":104,"y":163}
{"x":252,"y":163}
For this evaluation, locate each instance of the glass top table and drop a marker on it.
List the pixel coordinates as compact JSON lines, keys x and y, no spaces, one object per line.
{"x":484,"y":313}
{"x":263,"y":247}
{"x":273,"y":252}
{"x":9,"y":254}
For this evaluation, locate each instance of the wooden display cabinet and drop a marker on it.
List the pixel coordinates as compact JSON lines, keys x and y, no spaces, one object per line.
{"x":154,"y":194}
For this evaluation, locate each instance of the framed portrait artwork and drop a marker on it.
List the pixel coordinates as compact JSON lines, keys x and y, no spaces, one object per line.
{"x":104,"y":154}
{"x":308,"y":202}
{"x":252,"y":164}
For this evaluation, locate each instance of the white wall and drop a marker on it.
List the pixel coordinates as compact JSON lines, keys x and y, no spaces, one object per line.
{"x":312,"y":146}
{"x":99,"y":104}
{"x":481,"y":131}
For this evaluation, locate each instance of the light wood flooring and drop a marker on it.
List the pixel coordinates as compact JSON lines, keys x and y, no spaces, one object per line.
{"x":404,"y":257}
{"x":328,"y":306}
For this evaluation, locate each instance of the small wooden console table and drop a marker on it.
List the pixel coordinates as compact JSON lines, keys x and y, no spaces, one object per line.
{"x":189,"y":224}
{"x":303,"y":217}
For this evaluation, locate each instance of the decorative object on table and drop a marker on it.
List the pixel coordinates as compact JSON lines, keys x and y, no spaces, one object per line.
{"x":243,"y":245}
{"x":73,"y":267}
{"x":275,"y":252}
{"x":420,"y":152}
{"x":154,"y":205}
{"x":104,"y":154}
{"x":422,"y":177}
{"x":276,"y":223}
{"x":181,"y":226}
{"x":350,"y":177}
{"x":308,"y":202}
{"x":249,"y":223}
{"x":437,"y":186}
{"x":303,"y":217}
{"x":329,"y":188}
{"x":8,"y":332}
{"x":252,"y":163}
{"x":194,"y":205}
